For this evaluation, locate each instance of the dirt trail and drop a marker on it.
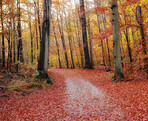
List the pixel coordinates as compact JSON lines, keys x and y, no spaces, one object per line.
{"x":77,"y":95}
{"x":85,"y":101}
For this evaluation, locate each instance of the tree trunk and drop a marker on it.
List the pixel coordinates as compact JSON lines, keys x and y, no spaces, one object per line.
{"x":128,"y":45}
{"x":71,"y":52}
{"x":140,"y":21}
{"x":57,"y":44}
{"x":127,"y":39}
{"x":121,"y":50}
{"x":19,"y":47}
{"x":70,"y":42}
{"x":44,"y":44}
{"x":3,"y":43}
{"x":99,"y":27}
{"x":108,"y":49}
{"x":90,"y":41}
{"x":118,"y":75}
{"x":89,"y":33}
{"x":31,"y":37}
{"x":88,"y":64}
{"x":63,"y":41}
{"x":80,"y":46}
{"x":76,"y":52}
{"x":38,"y":18}
{"x":36,"y":30}
{"x":14,"y":41}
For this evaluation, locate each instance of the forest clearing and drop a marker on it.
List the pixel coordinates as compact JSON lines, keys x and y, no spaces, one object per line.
{"x":73,"y":60}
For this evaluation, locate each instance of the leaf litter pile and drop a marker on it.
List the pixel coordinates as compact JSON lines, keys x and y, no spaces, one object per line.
{"x":79,"y":95}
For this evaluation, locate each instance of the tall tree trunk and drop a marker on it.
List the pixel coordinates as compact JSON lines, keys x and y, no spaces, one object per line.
{"x":99,"y":27}
{"x":97,"y":3}
{"x":36,"y":30}
{"x":71,"y":51}
{"x":31,"y":37}
{"x":128,"y":45}
{"x":88,"y":64}
{"x":90,"y":41}
{"x":118,"y":75}
{"x":3,"y":43}
{"x":80,"y":50}
{"x":9,"y":49}
{"x":140,"y":21}
{"x":121,"y":49}
{"x":108,"y":49}
{"x":38,"y":18}
{"x":80,"y":46}
{"x":89,"y":33}
{"x":14,"y":39}
{"x":70,"y":42}
{"x":103,"y":53}
{"x":19,"y":47}
{"x":57,"y":44}
{"x":63,"y":41}
{"x":76,"y":52}
{"x":44,"y":45}
{"x":127,"y":39}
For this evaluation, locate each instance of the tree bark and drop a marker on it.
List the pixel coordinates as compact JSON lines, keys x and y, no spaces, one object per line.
{"x":127,"y":40}
{"x":144,"y":45}
{"x":44,"y":44}
{"x":108,"y":49}
{"x":36,"y":30}
{"x":57,"y":44}
{"x":80,"y":45}
{"x":19,"y":47}
{"x":63,"y":41}
{"x":88,"y":64}
{"x":3,"y":43}
{"x":99,"y":27}
{"x":14,"y":41}
{"x":76,"y":52}
{"x":38,"y":18}
{"x":90,"y":41}
{"x":70,"y":42}
{"x":118,"y":75}
{"x":31,"y":37}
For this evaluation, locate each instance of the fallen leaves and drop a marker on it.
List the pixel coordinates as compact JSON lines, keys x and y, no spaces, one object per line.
{"x":123,"y":100}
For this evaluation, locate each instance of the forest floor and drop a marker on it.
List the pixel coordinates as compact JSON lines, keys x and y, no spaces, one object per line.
{"x":79,"y":95}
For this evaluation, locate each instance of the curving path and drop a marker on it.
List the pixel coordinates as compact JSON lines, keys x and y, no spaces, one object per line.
{"x":76,"y":95}
{"x":85,"y":101}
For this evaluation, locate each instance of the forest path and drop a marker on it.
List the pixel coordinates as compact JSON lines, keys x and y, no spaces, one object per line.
{"x":79,"y":95}
{"x":86,"y":101}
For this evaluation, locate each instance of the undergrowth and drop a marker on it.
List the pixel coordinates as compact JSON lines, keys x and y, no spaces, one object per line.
{"x":25,"y":81}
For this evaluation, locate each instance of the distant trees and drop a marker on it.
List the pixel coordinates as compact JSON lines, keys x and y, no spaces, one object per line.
{"x":81,"y":35}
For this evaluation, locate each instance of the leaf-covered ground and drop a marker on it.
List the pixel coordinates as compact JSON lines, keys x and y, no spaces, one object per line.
{"x":80,"y":95}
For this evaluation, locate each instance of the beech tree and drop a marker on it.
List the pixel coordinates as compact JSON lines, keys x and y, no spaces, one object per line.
{"x":20,"y":46}
{"x":144,"y":45}
{"x":118,"y":75}
{"x":88,"y":64}
{"x":57,"y":44}
{"x":44,"y":44}
{"x":81,"y":35}
{"x":3,"y":43}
